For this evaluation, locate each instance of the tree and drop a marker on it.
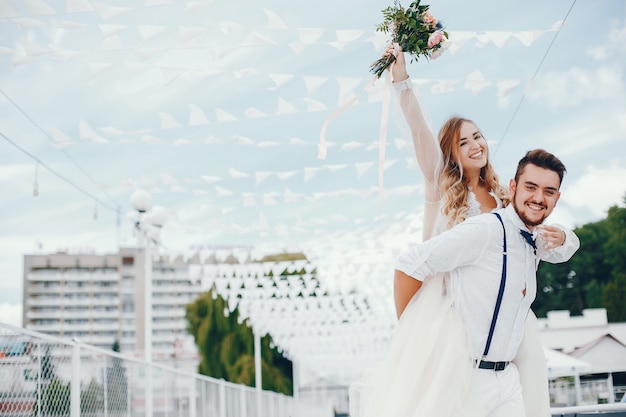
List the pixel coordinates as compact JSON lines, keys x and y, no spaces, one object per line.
{"x":594,"y":276}
{"x":615,"y":250}
{"x":117,"y":382}
{"x":226,"y":346}
{"x":55,"y":395}
{"x":92,"y":398}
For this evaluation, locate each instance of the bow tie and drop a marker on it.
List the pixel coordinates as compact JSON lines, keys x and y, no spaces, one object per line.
{"x":528,"y":237}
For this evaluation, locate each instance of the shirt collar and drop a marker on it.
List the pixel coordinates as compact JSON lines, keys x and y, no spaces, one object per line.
{"x":511,"y":214}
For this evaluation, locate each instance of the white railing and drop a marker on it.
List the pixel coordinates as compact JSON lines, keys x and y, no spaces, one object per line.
{"x":44,"y":376}
{"x":614,"y":409}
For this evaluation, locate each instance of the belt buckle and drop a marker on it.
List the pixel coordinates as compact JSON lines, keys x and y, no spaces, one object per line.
{"x":499,"y":366}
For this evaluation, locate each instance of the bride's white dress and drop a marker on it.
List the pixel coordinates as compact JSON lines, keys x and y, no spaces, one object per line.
{"x":427,"y":371}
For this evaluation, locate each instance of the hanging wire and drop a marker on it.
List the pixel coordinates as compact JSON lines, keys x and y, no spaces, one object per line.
{"x":532,"y":80}
{"x":17,"y":106}
{"x":58,"y":175}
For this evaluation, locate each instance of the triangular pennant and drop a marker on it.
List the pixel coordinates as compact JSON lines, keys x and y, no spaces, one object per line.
{"x":197,"y":116}
{"x":243,"y":140}
{"x":110,"y":30}
{"x":223,"y":116}
{"x":280,"y":80}
{"x":167,"y":121}
{"x":38,"y":8}
{"x":348,"y":36}
{"x":506,"y":86}
{"x":351,"y":146}
{"x":252,"y":113}
{"x":499,"y":38}
{"x":346,"y":88}
{"x":152,"y":140}
{"x":262,"y":176}
{"x":77,"y":6}
{"x":210,"y":179}
{"x":237,"y":174}
{"x":362,"y":167}
{"x":314,"y":105}
{"x":27,"y":23}
{"x":476,"y":82}
{"x":269,"y":199}
{"x":309,"y":36}
{"x":245,"y":72}
{"x":526,"y":37}
{"x":33,"y":50}
{"x":291,"y":197}
{"x":286,"y":175}
{"x":256,"y":39}
{"x":443,"y":86}
{"x":7,"y":9}
{"x":112,"y":43}
{"x":285,"y":107}
{"x":150,"y":31}
{"x":223,"y":192}
{"x":335,"y":168}
{"x":107,"y":12}
{"x":171,"y":74}
{"x":186,"y":34}
{"x":249,"y":199}
{"x":230,"y":28}
{"x":273,"y":20}
{"x":313,"y":83}
{"x":310,"y":173}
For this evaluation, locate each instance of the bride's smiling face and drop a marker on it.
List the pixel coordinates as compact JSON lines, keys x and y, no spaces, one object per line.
{"x":471,"y":151}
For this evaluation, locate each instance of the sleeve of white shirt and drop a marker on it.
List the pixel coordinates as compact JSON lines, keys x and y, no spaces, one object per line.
{"x":462,"y":245}
{"x":561,"y":253}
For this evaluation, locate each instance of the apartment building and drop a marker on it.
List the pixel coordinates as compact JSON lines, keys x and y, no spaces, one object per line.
{"x":98,"y":299}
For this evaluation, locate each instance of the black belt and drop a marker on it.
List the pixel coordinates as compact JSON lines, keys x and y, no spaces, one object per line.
{"x":495,"y":366}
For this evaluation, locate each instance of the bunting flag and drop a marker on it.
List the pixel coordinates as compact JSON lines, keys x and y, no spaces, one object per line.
{"x":220,"y":115}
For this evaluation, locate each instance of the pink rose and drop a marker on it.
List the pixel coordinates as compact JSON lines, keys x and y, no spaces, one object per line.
{"x":435,"y":38}
{"x":429,"y":18}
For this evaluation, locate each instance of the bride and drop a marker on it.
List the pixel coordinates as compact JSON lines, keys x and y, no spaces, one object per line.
{"x":427,"y":371}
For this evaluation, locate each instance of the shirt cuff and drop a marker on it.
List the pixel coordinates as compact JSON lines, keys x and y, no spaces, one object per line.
{"x":403,"y":85}
{"x":413,"y":264}
{"x":561,"y":253}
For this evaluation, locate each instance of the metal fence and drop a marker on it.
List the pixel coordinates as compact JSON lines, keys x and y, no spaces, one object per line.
{"x":43,"y":376}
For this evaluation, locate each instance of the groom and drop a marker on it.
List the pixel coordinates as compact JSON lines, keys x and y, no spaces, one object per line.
{"x":492,"y":269}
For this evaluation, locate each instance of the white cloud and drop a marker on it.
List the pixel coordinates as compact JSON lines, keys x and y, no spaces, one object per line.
{"x":11,"y":314}
{"x":598,"y":189}
{"x":578,"y":85}
{"x":616,"y":45}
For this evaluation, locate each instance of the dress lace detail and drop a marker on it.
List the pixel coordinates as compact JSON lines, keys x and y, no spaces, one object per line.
{"x":474,"y":206}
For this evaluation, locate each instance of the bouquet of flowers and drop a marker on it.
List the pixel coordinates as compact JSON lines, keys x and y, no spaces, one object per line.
{"x":416,"y":31}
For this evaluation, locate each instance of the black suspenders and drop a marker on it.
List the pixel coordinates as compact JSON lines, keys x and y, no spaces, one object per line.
{"x":500,"y":292}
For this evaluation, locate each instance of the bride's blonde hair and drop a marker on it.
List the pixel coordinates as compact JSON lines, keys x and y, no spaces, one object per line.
{"x":453,"y":182}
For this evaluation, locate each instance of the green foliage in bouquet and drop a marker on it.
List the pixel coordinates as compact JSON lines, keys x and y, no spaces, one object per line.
{"x":416,"y":31}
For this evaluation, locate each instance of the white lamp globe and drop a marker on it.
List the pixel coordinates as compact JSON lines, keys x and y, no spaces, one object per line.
{"x":141,"y":200}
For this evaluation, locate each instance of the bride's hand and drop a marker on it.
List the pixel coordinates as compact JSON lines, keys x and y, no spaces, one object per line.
{"x":398,"y":68}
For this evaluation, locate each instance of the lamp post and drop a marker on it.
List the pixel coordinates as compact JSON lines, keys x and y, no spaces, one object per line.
{"x":148,"y":223}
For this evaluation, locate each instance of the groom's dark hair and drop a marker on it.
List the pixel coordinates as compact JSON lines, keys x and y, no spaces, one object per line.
{"x":542,"y":159}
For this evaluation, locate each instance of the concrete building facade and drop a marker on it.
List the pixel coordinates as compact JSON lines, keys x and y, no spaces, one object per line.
{"x":100,"y":299}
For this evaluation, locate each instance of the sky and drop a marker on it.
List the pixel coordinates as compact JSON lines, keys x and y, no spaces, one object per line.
{"x":216,"y":108}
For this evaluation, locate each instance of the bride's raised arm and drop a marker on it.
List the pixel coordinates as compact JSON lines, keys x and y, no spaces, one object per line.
{"x":425,"y":144}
